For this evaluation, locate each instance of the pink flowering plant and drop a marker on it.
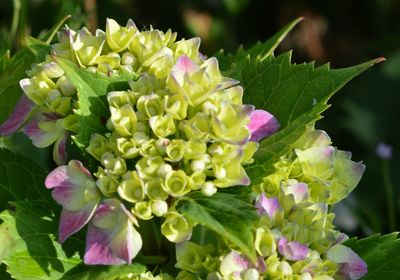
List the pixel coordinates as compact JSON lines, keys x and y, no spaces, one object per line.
{"x":171,"y":164}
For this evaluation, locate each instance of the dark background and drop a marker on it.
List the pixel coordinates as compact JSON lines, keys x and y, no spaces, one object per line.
{"x":365,"y":113}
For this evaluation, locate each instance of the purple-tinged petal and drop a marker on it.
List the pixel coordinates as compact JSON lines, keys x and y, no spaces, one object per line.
{"x":293,"y":251}
{"x":73,"y":221}
{"x":73,"y":174}
{"x":43,"y":131}
{"x":184,"y":66}
{"x":111,"y":237}
{"x":18,"y":117}
{"x":262,"y":124}
{"x":267,"y":205}
{"x":299,"y":191}
{"x":352,"y":267}
{"x":234,"y":263}
{"x":60,"y":150}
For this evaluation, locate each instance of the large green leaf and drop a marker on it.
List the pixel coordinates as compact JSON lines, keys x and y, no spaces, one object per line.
{"x":10,"y":90}
{"x":381,"y":253}
{"x":92,"y":92}
{"x":28,"y":232}
{"x":295,"y":94}
{"x":225,"y":214}
{"x":20,"y":179}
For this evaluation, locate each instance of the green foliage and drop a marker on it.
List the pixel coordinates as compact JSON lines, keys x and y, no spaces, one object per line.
{"x":21,"y":179}
{"x":381,"y":253}
{"x":31,"y":252}
{"x":92,"y":93}
{"x":14,"y":71}
{"x":225,"y":214}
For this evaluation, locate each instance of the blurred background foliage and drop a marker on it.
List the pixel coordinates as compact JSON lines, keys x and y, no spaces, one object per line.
{"x":345,"y":32}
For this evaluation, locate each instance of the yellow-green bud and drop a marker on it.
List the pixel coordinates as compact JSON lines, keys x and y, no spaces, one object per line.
{"x":176,"y":228}
{"x":131,"y":188}
{"x":162,"y":126}
{"x":142,"y":210}
{"x":159,"y":207}
{"x":176,"y":183}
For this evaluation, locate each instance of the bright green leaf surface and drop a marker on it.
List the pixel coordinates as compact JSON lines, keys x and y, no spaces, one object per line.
{"x":92,"y":91}
{"x":20,"y":179}
{"x":225,"y":214}
{"x":381,"y":253}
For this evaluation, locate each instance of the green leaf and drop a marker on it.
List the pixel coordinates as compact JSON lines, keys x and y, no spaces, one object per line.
{"x":229,"y":63}
{"x":10,"y":90}
{"x":29,"y":231}
{"x":30,"y":250}
{"x":225,"y":214}
{"x":381,"y":253}
{"x":92,"y":90}
{"x":21,"y":179}
{"x":295,"y":94}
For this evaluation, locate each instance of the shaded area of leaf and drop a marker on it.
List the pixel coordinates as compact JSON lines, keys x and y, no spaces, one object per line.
{"x":21,"y":179}
{"x":92,"y":90}
{"x":224,"y":213}
{"x":381,"y":253}
{"x":29,"y":230}
{"x":14,"y":71}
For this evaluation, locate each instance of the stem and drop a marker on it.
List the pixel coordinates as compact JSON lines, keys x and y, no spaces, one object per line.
{"x":15,"y":20}
{"x":391,"y":208}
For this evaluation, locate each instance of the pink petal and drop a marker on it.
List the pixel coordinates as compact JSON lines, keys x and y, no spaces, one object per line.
{"x":299,"y":191}
{"x":40,"y":138}
{"x":293,"y":251}
{"x":267,"y":206}
{"x":262,"y":124}
{"x":73,"y":174}
{"x":59,"y":150}
{"x":110,"y":241}
{"x":71,"y":222}
{"x":18,"y":117}
{"x":184,"y":65}
{"x":352,"y":266}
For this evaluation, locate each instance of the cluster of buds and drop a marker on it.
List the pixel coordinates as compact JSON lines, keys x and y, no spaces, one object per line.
{"x":179,"y":126}
{"x":294,"y":237}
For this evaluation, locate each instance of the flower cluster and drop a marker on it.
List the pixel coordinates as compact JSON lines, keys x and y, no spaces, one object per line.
{"x":294,"y":237}
{"x":179,"y":126}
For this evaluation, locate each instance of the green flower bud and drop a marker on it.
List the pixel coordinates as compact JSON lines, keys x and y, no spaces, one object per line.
{"x":148,"y":166}
{"x":163,"y":170}
{"x":123,"y":120}
{"x":187,"y":47}
{"x":37,"y":88}
{"x":87,"y":48}
{"x":63,"y":47}
{"x":127,"y":148}
{"x":230,"y":173}
{"x":251,"y":274}
{"x":197,"y":180}
{"x":118,"y":99}
{"x":176,"y":105}
{"x":107,"y":63}
{"x":154,"y":190}
{"x":129,"y":59}
{"x":208,"y":189}
{"x":58,"y":103}
{"x":65,"y":86}
{"x":149,"y":149}
{"x":176,"y":228}
{"x":118,"y":38}
{"x":176,"y":183}
{"x":114,"y":165}
{"x":142,"y":210}
{"x":248,"y":151}
{"x":150,"y":105}
{"x":159,"y":207}
{"x":196,"y":128}
{"x":131,"y":188}
{"x":162,"y":126}
{"x":107,"y":184}
{"x":194,"y":149}
{"x":175,"y":150}
{"x":264,"y":242}
{"x":190,"y":257}
{"x":317,"y":161}
{"x":97,"y":146}
{"x":51,"y":69}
